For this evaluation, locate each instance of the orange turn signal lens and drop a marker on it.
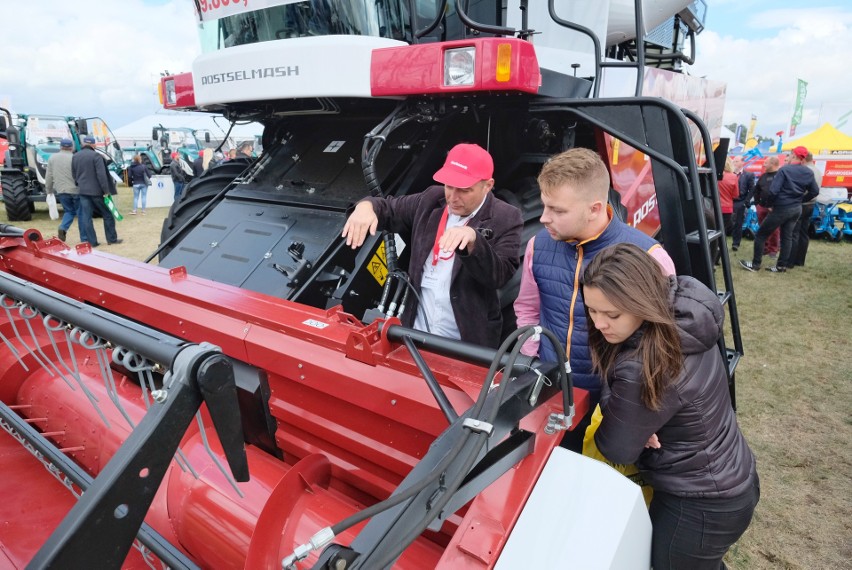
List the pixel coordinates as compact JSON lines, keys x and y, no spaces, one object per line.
{"x":504,"y":63}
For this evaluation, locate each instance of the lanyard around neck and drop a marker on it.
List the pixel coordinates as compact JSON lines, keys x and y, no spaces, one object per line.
{"x":442,"y":226}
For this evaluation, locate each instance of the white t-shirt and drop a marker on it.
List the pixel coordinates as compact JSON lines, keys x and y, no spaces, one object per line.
{"x":436,"y":308}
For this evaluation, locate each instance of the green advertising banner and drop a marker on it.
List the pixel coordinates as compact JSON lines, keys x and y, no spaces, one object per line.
{"x":801,"y":93}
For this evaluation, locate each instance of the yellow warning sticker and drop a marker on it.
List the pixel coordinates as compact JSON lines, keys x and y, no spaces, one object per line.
{"x":377,"y":268}
{"x":381,"y":253}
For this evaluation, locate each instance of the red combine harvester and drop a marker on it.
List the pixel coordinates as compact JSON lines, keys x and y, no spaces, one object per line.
{"x":253,"y":402}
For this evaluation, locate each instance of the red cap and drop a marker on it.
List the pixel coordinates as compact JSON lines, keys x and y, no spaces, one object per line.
{"x":800,"y":151}
{"x":466,"y":165}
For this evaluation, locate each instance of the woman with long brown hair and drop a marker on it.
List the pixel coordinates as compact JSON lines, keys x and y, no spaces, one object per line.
{"x":666,"y":406}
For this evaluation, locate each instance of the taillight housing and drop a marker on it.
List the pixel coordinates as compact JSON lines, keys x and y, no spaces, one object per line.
{"x":484,"y":64}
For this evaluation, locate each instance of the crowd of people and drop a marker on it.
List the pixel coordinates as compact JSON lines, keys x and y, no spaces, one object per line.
{"x":785,"y":198}
{"x":641,"y":340}
{"x":81,"y":180}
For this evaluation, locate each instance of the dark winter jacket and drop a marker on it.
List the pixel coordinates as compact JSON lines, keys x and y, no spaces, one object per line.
{"x":198,"y":166}
{"x":138,"y":174}
{"x":761,"y":190}
{"x":476,"y":276}
{"x":745,"y":187}
{"x":794,"y":184}
{"x":703,"y":454}
{"x":177,"y":172}
{"x":90,"y":173}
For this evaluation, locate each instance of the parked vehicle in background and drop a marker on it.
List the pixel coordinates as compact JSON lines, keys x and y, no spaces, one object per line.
{"x":30,"y":140}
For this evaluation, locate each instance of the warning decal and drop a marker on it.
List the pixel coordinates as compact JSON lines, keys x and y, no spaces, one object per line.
{"x":378,"y":265}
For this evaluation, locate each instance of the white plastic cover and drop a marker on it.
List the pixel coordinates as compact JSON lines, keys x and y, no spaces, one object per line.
{"x":581,"y":514}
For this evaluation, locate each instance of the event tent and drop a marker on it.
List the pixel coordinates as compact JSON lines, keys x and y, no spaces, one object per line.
{"x":824,"y":140}
{"x":140,"y":129}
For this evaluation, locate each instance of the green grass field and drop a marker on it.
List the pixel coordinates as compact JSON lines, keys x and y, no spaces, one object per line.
{"x":794,"y":395}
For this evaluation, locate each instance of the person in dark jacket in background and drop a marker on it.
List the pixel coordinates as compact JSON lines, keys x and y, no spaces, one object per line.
{"x":178,"y":174}
{"x":92,"y":178}
{"x":761,"y":203}
{"x":198,"y":166}
{"x":801,"y":239}
{"x":666,"y":405}
{"x":245,"y":150}
{"x":742,"y":200}
{"x":138,"y":177}
{"x":793,"y":185}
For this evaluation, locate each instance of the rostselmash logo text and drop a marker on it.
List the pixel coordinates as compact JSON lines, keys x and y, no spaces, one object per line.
{"x":247,"y":74}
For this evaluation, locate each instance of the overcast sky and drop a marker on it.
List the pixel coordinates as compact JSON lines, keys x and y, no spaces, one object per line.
{"x":96,"y":57}
{"x":760,"y":48}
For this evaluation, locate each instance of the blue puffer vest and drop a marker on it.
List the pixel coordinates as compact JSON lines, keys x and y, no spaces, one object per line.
{"x":557,"y":268}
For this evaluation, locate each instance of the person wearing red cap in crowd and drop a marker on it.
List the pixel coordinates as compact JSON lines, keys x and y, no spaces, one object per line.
{"x":801,"y":239}
{"x":179,"y":174}
{"x":464,"y":242}
{"x":793,"y":185}
{"x":578,"y":223}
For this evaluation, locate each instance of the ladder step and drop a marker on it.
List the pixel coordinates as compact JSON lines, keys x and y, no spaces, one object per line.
{"x":733,"y":360}
{"x":695,"y":237}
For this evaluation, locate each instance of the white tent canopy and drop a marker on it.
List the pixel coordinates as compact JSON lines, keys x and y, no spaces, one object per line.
{"x":140,"y":129}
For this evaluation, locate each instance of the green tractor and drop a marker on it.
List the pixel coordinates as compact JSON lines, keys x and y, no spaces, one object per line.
{"x":29,"y":141}
{"x":157,"y":154}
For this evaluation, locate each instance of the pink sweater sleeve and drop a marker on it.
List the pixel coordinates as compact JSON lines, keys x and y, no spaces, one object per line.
{"x":527,"y":304}
{"x":662,"y":257}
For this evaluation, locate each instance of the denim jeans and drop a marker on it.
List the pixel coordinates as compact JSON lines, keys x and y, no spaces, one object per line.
{"x":88,"y":204}
{"x":178,"y":189}
{"x":784,"y":218}
{"x":140,"y":191}
{"x":70,"y":205}
{"x":695,"y":534}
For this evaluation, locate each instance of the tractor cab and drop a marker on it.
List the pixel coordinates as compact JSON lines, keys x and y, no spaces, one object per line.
{"x":106,"y":143}
{"x":183,"y":140}
{"x":41,"y":135}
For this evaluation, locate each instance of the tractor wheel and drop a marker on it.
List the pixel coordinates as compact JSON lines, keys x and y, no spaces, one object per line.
{"x":196,"y":195}
{"x":16,"y":199}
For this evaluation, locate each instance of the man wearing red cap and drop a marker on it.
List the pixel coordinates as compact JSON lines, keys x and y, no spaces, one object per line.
{"x":464,"y":244}
{"x":179,"y":174}
{"x":794,"y":184}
